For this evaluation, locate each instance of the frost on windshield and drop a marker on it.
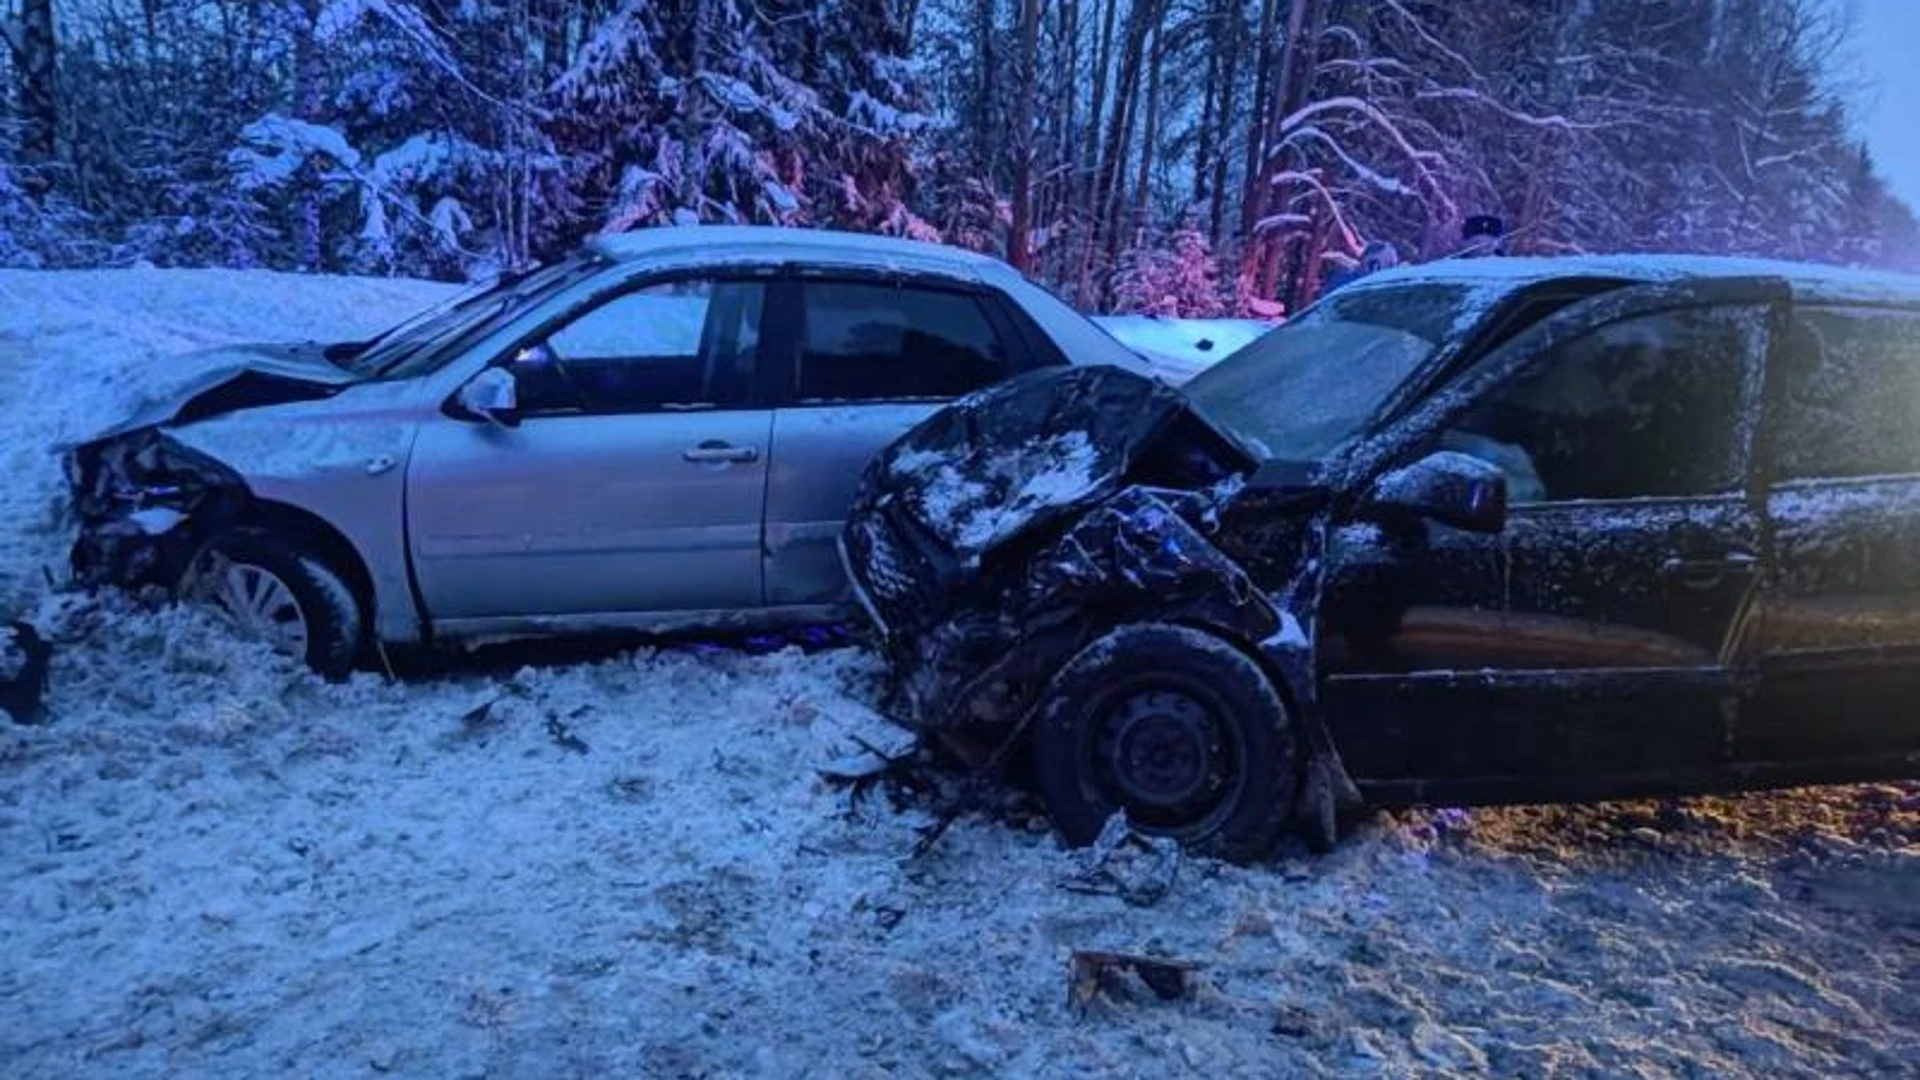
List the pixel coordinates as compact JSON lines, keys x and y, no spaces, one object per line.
{"x":1308,"y":386}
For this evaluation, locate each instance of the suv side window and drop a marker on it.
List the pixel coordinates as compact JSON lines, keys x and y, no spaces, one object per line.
{"x":873,"y":341}
{"x":1849,"y":395}
{"x":678,"y":344}
{"x":1648,"y":406}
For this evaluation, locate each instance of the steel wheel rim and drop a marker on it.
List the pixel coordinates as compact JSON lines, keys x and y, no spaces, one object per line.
{"x":1166,"y":751}
{"x":257,"y":602}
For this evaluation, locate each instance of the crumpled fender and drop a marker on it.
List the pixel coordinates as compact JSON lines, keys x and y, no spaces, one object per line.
{"x":1290,"y":655}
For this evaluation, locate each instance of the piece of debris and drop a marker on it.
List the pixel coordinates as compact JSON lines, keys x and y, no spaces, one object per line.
{"x":1137,"y":868}
{"x":563,"y":736}
{"x":480,"y":717}
{"x":24,"y":660}
{"x":977,"y":792}
{"x":1091,"y":971}
{"x":1292,"y":1022}
{"x":862,"y":770}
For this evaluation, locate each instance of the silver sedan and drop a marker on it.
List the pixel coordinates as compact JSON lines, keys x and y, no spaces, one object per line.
{"x":663,"y":431}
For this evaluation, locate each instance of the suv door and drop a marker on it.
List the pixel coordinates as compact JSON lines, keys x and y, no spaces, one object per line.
{"x":873,"y":356}
{"x":634,"y":482}
{"x":1838,"y":633}
{"x":1585,"y":650}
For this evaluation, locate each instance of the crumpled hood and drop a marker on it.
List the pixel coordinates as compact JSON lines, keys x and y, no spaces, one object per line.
{"x":252,"y":375}
{"x":996,"y":462}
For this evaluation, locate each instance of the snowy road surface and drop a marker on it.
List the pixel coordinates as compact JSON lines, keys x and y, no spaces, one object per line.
{"x":216,"y":866}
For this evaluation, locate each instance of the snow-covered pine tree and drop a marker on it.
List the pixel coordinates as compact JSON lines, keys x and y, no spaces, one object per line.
{"x":1175,"y":276}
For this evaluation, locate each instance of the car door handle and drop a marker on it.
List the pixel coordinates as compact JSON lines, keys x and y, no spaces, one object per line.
{"x":712,"y":451}
{"x":1707,"y":572}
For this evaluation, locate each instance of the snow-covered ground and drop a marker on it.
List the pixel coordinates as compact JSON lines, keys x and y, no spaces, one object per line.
{"x":215,"y":865}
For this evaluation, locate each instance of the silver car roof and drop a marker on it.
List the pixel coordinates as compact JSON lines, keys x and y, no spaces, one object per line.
{"x":707,"y":245}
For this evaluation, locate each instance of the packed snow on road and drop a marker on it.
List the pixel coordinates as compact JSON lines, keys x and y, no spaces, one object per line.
{"x":218,"y":865}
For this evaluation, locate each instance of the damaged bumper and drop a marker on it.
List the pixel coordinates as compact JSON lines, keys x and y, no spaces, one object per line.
{"x":146,"y":506}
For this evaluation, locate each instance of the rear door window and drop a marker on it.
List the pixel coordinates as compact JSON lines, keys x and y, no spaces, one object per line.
{"x":879,"y":341}
{"x":1850,"y":394}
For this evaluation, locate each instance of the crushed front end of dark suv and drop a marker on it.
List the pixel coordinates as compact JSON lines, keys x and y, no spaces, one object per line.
{"x":999,"y":538}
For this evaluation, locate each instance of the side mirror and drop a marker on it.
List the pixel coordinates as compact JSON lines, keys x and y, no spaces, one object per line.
{"x":1454,"y":489}
{"x":492,"y":396}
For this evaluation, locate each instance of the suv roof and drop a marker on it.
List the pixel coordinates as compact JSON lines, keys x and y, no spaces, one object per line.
{"x":711,"y":243}
{"x":1809,"y":281}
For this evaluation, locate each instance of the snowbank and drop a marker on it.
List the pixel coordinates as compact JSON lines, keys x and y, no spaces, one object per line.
{"x":217,"y":866}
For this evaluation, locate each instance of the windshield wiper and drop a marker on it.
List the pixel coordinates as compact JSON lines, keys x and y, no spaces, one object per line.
{"x":343,"y":353}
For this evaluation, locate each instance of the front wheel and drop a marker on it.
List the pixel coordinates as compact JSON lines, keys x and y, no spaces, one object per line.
{"x":1176,"y":727}
{"x":272,"y":591}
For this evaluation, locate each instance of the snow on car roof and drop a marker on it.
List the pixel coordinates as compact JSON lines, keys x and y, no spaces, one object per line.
{"x":723,"y":242}
{"x":1808,"y":280}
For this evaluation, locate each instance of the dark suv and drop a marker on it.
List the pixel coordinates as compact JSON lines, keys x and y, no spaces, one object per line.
{"x":1487,"y":531}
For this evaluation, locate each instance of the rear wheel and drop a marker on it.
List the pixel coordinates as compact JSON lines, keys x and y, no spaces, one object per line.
{"x":1176,"y":727}
{"x":271,"y":590}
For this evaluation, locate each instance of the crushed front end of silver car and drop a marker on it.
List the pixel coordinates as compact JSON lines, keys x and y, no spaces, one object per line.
{"x":145,"y":500}
{"x":146,"y":504}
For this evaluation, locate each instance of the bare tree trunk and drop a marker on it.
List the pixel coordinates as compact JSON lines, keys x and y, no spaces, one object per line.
{"x":1203,"y":152}
{"x":1087,"y":183}
{"x":1102,"y":70}
{"x":1223,"y":117}
{"x":1252,"y":198}
{"x":1019,"y":254}
{"x":1111,"y":195}
{"x":1064,"y":175}
{"x":30,"y":39}
{"x":306,"y":106}
{"x":986,"y":89}
{"x":1150,"y":131}
{"x":1305,"y":24}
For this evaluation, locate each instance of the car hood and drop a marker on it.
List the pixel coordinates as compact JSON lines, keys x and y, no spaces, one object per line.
{"x":996,"y":463}
{"x":198,"y":385}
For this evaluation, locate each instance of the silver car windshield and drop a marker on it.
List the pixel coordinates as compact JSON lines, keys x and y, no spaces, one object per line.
{"x":416,"y":346}
{"x":1312,"y":384}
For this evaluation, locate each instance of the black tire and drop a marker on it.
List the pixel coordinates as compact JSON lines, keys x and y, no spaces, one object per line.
{"x":332,"y":619}
{"x":1177,"y":727}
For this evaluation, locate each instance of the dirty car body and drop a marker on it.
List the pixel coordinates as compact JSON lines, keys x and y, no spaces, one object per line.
{"x":659,"y":432}
{"x":1506,"y":530}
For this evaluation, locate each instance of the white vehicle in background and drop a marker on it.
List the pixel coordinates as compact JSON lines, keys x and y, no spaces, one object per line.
{"x":1180,"y":349}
